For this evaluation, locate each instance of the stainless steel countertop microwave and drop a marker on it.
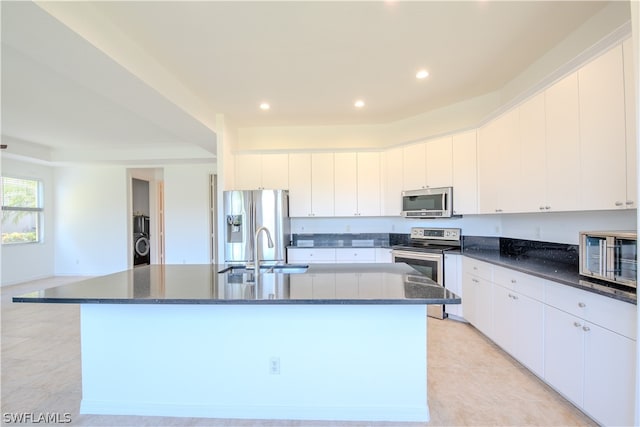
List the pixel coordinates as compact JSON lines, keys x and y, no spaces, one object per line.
{"x":610,"y":256}
{"x":428,"y":203}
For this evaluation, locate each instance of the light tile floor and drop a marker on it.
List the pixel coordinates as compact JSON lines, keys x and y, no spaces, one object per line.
{"x":471,"y":381}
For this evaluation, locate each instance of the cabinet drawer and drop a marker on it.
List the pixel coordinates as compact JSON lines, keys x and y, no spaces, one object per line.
{"x":522,"y":283}
{"x":609,"y":313}
{"x":318,"y":255}
{"x":356,"y":255}
{"x":478,"y":268}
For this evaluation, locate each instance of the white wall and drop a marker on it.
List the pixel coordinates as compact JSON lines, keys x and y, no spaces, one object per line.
{"x":23,"y":262}
{"x":559,"y":227}
{"x":186,"y":202}
{"x":92,"y":233}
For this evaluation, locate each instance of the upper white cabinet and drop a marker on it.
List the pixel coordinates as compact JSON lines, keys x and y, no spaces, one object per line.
{"x":602,"y":132}
{"x":533,"y":155}
{"x":357,"y":178}
{"x":414,"y":171}
{"x":257,"y":171}
{"x":464,"y":173}
{"x":392,"y":182}
{"x":499,"y":165}
{"x":631,"y":129}
{"x":311,"y":189}
{"x":439,"y":162}
{"x":562,"y":118}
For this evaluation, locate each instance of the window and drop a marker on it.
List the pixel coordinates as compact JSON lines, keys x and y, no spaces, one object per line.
{"x":21,"y":210}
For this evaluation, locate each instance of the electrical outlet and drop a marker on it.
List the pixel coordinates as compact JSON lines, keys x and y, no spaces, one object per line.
{"x":274,"y":366}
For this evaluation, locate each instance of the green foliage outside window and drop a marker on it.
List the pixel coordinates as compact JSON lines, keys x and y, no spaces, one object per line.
{"x":21,"y":210}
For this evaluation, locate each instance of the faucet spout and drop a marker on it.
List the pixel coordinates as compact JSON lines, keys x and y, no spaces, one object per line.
{"x":256,"y":261}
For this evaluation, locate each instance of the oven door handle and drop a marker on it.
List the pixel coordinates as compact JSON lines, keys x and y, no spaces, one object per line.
{"x":416,"y":255}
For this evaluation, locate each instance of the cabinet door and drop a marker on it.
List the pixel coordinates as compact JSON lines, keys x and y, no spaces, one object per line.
{"x":489,"y":147}
{"x":505,"y":326}
{"x":510,"y":194}
{"x":529,"y":332}
{"x":392,"y":179}
{"x":484,"y":307}
{"x":564,"y":353}
{"x":439,"y":162}
{"x":533,"y":154}
{"x":631,"y":129}
{"x":346,"y":191}
{"x":453,"y":281}
{"x":275,"y":171}
{"x":414,"y":174}
{"x":369,"y":198}
{"x":300,"y":185}
{"x":602,"y":132}
{"x":248,"y":172}
{"x":609,"y":376}
{"x":465,"y":173}
{"x":322,"y":184}
{"x":383,"y":255}
{"x":355,"y":255}
{"x":562,"y":117}
{"x":469,"y":290}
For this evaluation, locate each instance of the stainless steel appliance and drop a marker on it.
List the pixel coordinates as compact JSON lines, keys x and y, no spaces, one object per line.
{"x":610,"y":255}
{"x":245,"y":212}
{"x":425,"y":253}
{"x":428,"y":203}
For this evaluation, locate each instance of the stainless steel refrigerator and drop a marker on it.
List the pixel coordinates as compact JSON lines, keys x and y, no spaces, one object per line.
{"x":247,"y":210}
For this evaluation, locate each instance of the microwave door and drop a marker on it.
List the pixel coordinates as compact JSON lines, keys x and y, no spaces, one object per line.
{"x":624,"y":261}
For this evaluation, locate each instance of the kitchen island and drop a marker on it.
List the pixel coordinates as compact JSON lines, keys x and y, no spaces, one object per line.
{"x":327,"y":342}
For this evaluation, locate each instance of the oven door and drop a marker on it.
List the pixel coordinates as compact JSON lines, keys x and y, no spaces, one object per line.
{"x":430,"y":265}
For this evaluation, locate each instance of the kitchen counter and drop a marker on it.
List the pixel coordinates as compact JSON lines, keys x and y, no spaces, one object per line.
{"x":204,"y":284}
{"x":337,"y":342}
{"x":566,"y":274}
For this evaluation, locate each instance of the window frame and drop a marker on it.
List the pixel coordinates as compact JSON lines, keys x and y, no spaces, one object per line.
{"x":39,"y":210}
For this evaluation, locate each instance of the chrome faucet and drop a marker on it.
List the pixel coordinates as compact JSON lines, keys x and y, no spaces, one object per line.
{"x":256,"y":261}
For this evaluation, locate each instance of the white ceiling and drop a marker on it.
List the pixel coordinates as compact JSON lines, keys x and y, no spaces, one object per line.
{"x":309,"y":60}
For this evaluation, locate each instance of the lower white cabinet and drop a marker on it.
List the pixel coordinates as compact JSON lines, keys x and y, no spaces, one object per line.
{"x":311,"y":255}
{"x":383,"y":255}
{"x":453,"y":281}
{"x":357,"y":255}
{"x":477,"y":301}
{"x":338,"y":255}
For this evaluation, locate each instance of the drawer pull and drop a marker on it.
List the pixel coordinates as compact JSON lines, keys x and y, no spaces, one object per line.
{"x":513,"y":280}
{"x":582,"y":305}
{"x":576,"y":324}
{"x":586,"y":328}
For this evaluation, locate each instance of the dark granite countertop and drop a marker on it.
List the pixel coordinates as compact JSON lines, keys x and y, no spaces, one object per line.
{"x":560,"y":272}
{"x":205,"y":284}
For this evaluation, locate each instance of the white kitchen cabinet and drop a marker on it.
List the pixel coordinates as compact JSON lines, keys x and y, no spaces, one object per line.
{"x":584,"y":332}
{"x":533,"y":155}
{"x":518,"y":325}
{"x":346,"y":176}
{"x":311,"y":255}
{"x":414,"y":171}
{"x":355,"y":255}
{"x":562,"y":117}
{"x":322,"y":184}
{"x":357,"y":178}
{"x":313,"y":286}
{"x":499,"y":165}
{"x":477,"y":304}
{"x":465,"y":173}
{"x":602,"y":132}
{"x":630,"y":103}
{"x":311,"y":189}
{"x":369,"y":184}
{"x":453,"y":282}
{"x":392,"y":182}
{"x":439,"y":162}
{"x":258,"y":171}
{"x":300,"y":185}
{"x":383,"y":255}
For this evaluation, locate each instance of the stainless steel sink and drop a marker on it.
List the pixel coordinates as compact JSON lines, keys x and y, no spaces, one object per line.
{"x":266,"y":269}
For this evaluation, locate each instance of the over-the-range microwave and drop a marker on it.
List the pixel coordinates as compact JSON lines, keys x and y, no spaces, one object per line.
{"x":428,"y":203}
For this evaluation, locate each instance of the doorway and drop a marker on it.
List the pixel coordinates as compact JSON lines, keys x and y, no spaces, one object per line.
{"x":146,"y":216}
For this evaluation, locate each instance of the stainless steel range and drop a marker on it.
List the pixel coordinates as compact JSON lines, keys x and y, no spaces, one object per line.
{"x":425,"y":253}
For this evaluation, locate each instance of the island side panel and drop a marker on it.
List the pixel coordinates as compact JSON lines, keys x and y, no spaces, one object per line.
{"x":325,"y":362}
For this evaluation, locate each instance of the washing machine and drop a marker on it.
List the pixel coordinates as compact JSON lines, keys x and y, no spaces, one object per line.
{"x":141,"y":249}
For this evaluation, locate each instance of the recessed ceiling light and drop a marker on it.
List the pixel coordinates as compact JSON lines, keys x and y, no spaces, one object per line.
{"x":359,"y":103}
{"x":265,"y":106}
{"x":422,"y":74}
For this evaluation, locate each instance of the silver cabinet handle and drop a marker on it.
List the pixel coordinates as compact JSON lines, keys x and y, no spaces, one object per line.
{"x":619,"y":203}
{"x":582,"y":305}
{"x":541,"y":208}
{"x":576,"y":324}
{"x":629,"y":202}
{"x":586,"y":328}
{"x":475,"y":280}
{"x":547,"y":207}
{"x":513,"y":280}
